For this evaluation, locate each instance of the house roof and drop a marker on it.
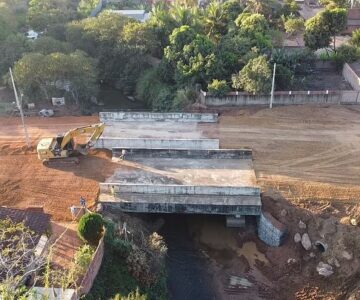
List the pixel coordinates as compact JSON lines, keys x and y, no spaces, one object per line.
{"x":37,"y":221}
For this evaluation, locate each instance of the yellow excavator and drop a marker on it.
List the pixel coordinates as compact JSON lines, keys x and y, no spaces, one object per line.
{"x":64,"y":148}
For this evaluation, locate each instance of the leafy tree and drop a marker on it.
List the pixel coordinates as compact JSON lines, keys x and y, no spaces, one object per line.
{"x":48,"y":45}
{"x":11,"y":50}
{"x":316,"y":35}
{"x":215,"y":21}
{"x":335,"y":21}
{"x":218,"y":87}
{"x":10,"y":19}
{"x":326,"y":24}
{"x":90,"y":227}
{"x":44,"y":13}
{"x":264,"y":7}
{"x":255,"y":77}
{"x":294,"y":25}
{"x":141,"y":36}
{"x":46,"y":76}
{"x":87,"y":6}
{"x":232,"y":9}
{"x":330,"y":4}
{"x":290,"y":9}
{"x":252,"y":23}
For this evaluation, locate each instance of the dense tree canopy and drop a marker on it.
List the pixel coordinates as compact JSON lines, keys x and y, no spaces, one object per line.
{"x":47,"y":76}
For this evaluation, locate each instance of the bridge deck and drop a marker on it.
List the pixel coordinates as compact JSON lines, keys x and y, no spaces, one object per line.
{"x":184,"y":185}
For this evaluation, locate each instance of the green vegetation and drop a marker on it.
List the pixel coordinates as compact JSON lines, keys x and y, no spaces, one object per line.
{"x":164,"y":60}
{"x":90,"y":228}
{"x":129,"y":266}
{"x":218,"y":87}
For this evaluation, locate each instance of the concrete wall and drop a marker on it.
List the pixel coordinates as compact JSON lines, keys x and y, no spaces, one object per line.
{"x":351,"y":77}
{"x":281,"y":98}
{"x":139,"y":143}
{"x":244,"y":210}
{"x":90,"y":275}
{"x":173,"y":153}
{"x":179,"y":189}
{"x":120,"y":116}
{"x":271,"y":231}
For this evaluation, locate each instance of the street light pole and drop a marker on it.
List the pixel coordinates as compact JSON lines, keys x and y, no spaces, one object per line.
{"x":19,"y":105}
{"x":273,"y":87}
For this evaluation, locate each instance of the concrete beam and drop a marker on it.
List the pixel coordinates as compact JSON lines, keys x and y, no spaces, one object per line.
{"x":186,"y":153}
{"x":120,"y":188}
{"x":152,"y":143}
{"x":109,"y":117}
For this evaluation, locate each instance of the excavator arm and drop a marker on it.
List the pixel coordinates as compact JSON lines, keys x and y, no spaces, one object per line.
{"x":96,"y":130}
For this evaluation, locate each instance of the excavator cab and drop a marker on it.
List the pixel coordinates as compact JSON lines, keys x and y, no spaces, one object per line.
{"x":64,"y":146}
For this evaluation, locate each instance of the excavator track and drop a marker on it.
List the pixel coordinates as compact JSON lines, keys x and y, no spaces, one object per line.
{"x":60,"y":162}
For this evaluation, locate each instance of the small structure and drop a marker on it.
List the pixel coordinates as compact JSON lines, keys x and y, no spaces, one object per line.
{"x":137,"y":14}
{"x":353,"y":20}
{"x":32,"y":35}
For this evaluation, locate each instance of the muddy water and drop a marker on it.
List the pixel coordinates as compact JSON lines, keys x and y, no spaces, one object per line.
{"x":188,"y":270}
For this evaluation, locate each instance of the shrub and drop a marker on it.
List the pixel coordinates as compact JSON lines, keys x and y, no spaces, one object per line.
{"x":218,"y":87}
{"x":284,"y":78}
{"x":255,"y":77}
{"x":90,"y":228}
{"x":183,"y":98}
{"x":294,"y":25}
{"x":355,"y":38}
{"x":83,"y":257}
{"x":134,"y":295}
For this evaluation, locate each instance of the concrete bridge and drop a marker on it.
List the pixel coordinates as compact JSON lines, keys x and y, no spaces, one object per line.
{"x":220,"y":182}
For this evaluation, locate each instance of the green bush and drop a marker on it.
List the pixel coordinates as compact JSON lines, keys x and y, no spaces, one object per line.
{"x":90,"y":228}
{"x":218,"y":87}
{"x":355,"y":38}
{"x":284,"y":78}
{"x":183,"y":98}
{"x":83,"y":257}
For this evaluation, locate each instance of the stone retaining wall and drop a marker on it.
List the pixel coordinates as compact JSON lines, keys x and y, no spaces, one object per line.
{"x":271,"y":231}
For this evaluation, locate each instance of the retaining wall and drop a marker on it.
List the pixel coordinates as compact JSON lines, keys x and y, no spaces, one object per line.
{"x":281,"y":98}
{"x":153,"y":143}
{"x":179,"y":189}
{"x":183,"y":153}
{"x":271,"y":231}
{"x":120,"y":116}
{"x":351,"y":77}
{"x":93,"y":269}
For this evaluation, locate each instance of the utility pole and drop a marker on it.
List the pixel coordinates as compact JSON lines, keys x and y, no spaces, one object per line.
{"x":19,"y":105}
{"x":273,"y":87}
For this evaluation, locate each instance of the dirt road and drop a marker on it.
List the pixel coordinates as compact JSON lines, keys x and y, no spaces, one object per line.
{"x":306,"y":152}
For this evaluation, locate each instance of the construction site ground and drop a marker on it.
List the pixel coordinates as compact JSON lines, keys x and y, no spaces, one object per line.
{"x":306,"y":159}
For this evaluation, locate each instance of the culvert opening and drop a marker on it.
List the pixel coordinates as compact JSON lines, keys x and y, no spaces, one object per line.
{"x":321,"y":246}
